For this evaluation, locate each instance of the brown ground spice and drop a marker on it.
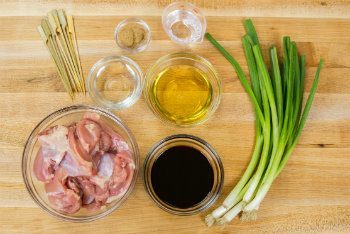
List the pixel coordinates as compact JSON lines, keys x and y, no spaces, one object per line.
{"x":131,"y":35}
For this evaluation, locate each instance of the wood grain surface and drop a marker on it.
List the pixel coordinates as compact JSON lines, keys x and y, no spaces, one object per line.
{"x":311,"y":195}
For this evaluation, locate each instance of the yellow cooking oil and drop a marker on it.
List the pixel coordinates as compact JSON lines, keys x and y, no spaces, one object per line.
{"x":182,"y":93}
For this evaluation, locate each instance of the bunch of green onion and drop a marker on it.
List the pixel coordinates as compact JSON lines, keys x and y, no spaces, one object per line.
{"x":277,"y":97}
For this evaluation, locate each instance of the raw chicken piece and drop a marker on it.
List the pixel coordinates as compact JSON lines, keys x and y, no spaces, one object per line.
{"x":122,"y":175}
{"x":76,"y":146}
{"x":75,"y":166}
{"x":55,"y":138}
{"x":54,"y":144}
{"x":126,"y":158}
{"x":88,"y":189}
{"x":99,"y":151}
{"x":94,"y":206}
{"x":62,"y":198}
{"x":68,"y":202}
{"x":96,"y":157}
{"x":85,"y":165}
{"x":92,"y":192}
{"x":105,"y":142}
{"x":78,"y":156}
{"x":88,"y":133}
{"x":41,"y":171}
{"x":73,"y":184}
{"x":105,"y":171}
{"x":106,"y":166}
{"x":101,"y":194}
{"x":117,"y":142}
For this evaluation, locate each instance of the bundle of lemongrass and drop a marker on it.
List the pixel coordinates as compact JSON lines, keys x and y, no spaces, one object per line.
{"x":57,"y":32}
{"x":277,"y":97}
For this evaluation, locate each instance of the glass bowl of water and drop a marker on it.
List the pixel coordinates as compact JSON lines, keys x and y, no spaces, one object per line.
{"x":184,"y":23}
{"x":115,"y":82}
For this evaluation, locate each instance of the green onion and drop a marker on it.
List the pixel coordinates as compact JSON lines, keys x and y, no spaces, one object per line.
{"x":277,"y":97}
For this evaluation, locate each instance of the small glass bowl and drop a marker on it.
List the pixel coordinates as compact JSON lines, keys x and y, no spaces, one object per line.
{"x":182,"y":59}
{"x":184,"y":23}
{"x":115,"y":82}
{"x":130,"y":21}
{"x":66,"y":116}
{"x":206,"y":150}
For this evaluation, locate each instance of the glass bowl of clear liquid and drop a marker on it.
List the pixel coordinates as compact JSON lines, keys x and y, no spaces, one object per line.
{"x":115,"y":82}
{"x":184,"y":23}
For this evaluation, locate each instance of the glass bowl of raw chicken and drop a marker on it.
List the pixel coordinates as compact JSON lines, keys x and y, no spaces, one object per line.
{"x":80,"y":163}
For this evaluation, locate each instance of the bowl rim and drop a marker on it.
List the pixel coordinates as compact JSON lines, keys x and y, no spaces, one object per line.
{"x":176,"y":56}
{"x":67,"y":217}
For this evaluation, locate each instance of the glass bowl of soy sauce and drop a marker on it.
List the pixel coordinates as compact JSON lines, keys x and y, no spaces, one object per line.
{"x":183,"y":174}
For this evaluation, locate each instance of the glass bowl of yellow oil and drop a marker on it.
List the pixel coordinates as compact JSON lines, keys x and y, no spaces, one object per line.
{"x":183,"y":89}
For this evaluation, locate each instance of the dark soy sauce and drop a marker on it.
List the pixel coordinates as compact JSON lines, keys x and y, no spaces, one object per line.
{"x":182,"y":177}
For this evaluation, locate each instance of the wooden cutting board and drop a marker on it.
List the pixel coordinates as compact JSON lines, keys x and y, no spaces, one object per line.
{"x":311,"y":195}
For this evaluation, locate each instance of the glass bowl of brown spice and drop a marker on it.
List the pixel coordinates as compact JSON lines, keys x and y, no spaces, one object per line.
{"x":133,"y":35}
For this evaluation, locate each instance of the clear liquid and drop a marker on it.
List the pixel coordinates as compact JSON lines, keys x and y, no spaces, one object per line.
{"x":184,"y":26}
{"x":115,"y":82}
